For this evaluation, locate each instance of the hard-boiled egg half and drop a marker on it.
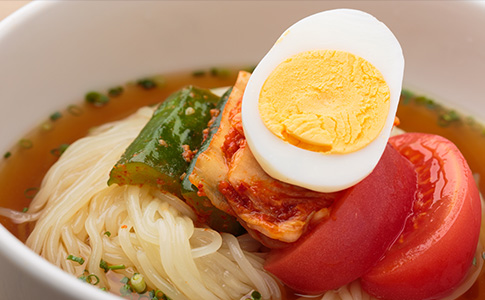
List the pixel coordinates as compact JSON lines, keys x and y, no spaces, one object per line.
{"x":319,"y":108}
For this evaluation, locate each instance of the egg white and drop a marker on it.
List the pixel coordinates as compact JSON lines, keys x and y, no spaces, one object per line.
{"x":342,"y":29}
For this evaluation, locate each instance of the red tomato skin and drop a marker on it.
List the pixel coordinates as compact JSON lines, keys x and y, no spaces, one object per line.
{"x":432,"y":259}
{"x":361,"y":227}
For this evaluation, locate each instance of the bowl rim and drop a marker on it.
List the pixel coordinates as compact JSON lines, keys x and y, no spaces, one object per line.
{"x":11,"y":247}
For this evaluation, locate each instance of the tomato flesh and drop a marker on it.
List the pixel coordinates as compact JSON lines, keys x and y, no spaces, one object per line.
{"x":439,"y":240}
{"x":362,"y":225}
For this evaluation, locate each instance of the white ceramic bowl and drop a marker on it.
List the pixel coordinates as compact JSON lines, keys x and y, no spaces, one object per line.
{"x":52,"y":52}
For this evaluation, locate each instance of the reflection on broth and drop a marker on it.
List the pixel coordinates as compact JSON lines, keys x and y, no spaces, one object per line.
{"x":24,"y":166}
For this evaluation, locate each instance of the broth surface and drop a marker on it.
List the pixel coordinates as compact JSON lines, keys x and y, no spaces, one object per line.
{"x":24,"y":166}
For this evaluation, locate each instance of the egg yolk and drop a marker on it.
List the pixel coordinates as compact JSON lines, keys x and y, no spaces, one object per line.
{"x":326,"y":101}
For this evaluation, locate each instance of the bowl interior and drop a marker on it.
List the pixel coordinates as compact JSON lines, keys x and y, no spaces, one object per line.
{"x":51,"y":53}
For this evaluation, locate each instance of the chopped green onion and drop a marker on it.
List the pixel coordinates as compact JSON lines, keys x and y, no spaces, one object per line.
{"x":31,"y":192}
{"x":147,"y":84}
{"x":219,"y":72}
{"x":483,"y":255}
{"x":55,"y":116}
{"x":97,"y":99}
{"x":421,"y":100}
{"x":104,"y":265}
{"x":107,"y":233}
{"x":448,"y":117}
{"x":198,"y":73}
{"x":470,"y":121}
{"x":255,"y":295}
{"x":406,"y":97}
{"x":46,"y":126}
{"x":104,"y":289}
{"x":250,"y":69}
{"x":115,"y":92}
{"x":59,"y":150}
{"x":25,"y":209}
{"x":7,"y":154}
{"x":117,"y":267}
{"x":429,"y":103}
{"x":90,"y":277}
{"x":125,"y":280}
{"x":159,"y":80}
{"x":154,"y":295}
{"x":75,"y":110}
{"x":138,"y":283}
{"x":125,"y":290}
{"x":79,"y":260}
{"x":26,"y":143}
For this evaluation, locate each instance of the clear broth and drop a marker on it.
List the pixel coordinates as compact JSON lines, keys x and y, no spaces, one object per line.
{"x":23,"y":168}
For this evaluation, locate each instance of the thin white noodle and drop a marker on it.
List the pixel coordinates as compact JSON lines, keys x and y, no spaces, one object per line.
{"x":64,"y":263}
{"x":135,"y":214}
{"x":356,"y":290}
{"x":274,"y":288}
{"x":160,"y":282}
{"x":344,"y":293}
{"x":213,"y":284}
{"x":96,"y":249}
{"x":175,"y":202}
{"x":248,"y":243}
{"x":167,"y":254}
{"x":330,"y":295}
{"x":184,"y":266}
{"x":114,"y":215}
{"x":246,"y":266}
{"x":125,"y":243}
{"x":69,"y":240}
{"x":215,"y":242}
{"x":78,"y":222}
{"x":212,"y":267}
{"x":222,"y":264}
{"x":17,"y":216}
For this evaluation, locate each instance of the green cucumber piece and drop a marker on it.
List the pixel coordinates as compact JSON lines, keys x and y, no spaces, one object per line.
{"x":208,"y":213}
{"x":155,"y":157}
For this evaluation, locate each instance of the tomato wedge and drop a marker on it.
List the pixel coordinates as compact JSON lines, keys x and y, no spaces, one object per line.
{"x":440,"y":238}
{"x":363,"y":223}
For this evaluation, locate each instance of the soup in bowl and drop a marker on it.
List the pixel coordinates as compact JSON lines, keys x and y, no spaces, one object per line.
{"x":54,"y":54}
